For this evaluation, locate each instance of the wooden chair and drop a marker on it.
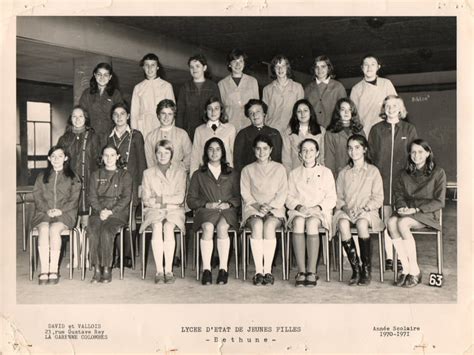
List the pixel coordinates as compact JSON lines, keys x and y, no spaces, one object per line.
{"x":196,"y":242}
{"x":439,"y":244}
{"x":325,"y":234}
{"x":33,"y":235}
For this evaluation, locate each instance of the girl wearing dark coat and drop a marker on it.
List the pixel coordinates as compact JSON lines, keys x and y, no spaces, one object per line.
{"x":56,"y":194}
{"x":82,"y":144}
{"x":214,"y":196}
{"x":99,"y":98}
{"x":418,"y":196}
{"x":131,"y":148}
{"x":110,"y":192}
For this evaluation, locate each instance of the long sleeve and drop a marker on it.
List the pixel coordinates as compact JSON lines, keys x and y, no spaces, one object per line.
{"x":231,"y":145}
{"x":439,"y":194}
{"x":321,"y":146}
{"x":147,"y":192}
{"x":84,"y":99}
{"x":141,"y":160}
{"x":286,"y":153}
{"x":150,"y":150}
{"x":330,"y":198}
{"x":41,"y":204}
{"x":277,"y":148}
{"x":176,"y":196}
{"x":236,"y":199}
{"x":292,"y":198}
{"x":196,"y":153}
{"x":95,"y":150}
{"x":245,"y":187}
{"x":265,"y":96}
{"x":299,"y":93}
{"x":340,"y":190}
{"x":330,"y":153}
{"x":135,"y":109}
{"x":187,"y":151}
{"x":125,"y":195}
{"x":72,"y":202}
{"x":181,"y":107}
{"x":374,"y":146}
{"x":93,"y":197}
{"x":376,"y":196}
{"x":117,"y":97}
{"x":169,"y":94}
{"x":195,"y":199}
{"x":282,"y":191}
{"x":239,"y":151}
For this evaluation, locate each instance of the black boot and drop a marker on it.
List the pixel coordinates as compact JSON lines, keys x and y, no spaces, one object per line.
{"x":351,"y":252}
{"x":97,"y":274}
{"x":365,"y":256}
{"x":106,"y":275}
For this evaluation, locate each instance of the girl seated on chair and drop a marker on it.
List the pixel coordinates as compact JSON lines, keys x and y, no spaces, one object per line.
{"x":163,"y":192}
{"x":264,"y":188}
{"x":311,"y":198}
{"x":418,"y":195}
{"x":214,"y":196}
{"x":56,"y":194}
{"x":110,"y":192}
{"x":359,"y":196}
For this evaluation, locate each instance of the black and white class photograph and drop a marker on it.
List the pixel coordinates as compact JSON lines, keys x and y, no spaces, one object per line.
{"x":236,"y":160}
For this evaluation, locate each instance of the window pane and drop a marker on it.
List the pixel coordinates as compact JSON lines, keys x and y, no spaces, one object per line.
{"x":38,"y":111}
{"x":40,"y":164}
{"x":43,"y":138}
{"x":31,"y":138}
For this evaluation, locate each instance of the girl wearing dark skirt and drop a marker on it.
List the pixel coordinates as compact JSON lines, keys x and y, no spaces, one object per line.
{"x":214,"y":196}
{"x":56,"y":194}
{"x":418,"y":196}
{"x":110,"y":192}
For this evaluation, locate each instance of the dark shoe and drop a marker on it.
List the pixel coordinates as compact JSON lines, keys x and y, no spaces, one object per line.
{"x":268,"y":279}
{"x":169,"y":278}
{"x":43,"y":278}
{"x":311,"y":279}
{"x":399,"y":266}
{"x":351,"y":252}
{"x":106,"y":275}
{"x":222,"y":277}
{"x":365,"y":256}
{"x":159,"y":278}
{"x":97,"y":275}
{"x":206,"y":277}
{"x":388,"y":264}
{"x":300,"y":279}
{"x":176,"y":261}
{"x":258,"y":280}
{"x":412,"y":280}
{"x":401,"y":279}
{"x":53,"y":278}
{"x":116,"y":263}
{"x":127,"y":262}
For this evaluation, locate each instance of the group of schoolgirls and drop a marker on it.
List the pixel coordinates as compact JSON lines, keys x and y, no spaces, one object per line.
{"x":284,"y":161}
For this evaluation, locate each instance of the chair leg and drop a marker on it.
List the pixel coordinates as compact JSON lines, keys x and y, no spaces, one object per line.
{"x":381,"y":252}
{"x":197,"y":238}
{"x":339,"y":241}
{"x":287,"y":256}
{"x":326,"y":244}
{"x":121,"y":253}
{"x":439,"y":239}
{"x":334,"y":260}
{"x":23,"y":219}
{"x":132,"y":249}
{"x":244,"y":254}
{"x":181,"y":238}
{"x":31,"y":256}
{"x":395,"y":268}
{"x":283,"y":234}
{"x":83,"y":254}
{"x":72,"y":240}
{"x":236,"y":254}
{"x":194,"y":251}
{"x":143,"y":242}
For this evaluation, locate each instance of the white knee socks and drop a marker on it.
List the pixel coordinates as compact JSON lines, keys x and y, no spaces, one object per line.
{"x":223,"y":245}
{"x":44,"y":258}
{"x":269,"y":246}
{"x":257,"y":252}
{"x":402,"y":254}
{"x":410,"y":246}
{"x":168,"y":246}
{"x":157,"y":247}
{"x":206,"y":252}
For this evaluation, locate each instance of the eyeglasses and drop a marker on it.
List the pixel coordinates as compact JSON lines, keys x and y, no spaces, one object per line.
{"x":100,"y":75}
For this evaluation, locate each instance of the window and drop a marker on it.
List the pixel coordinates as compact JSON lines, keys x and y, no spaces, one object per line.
{"x":38,"y":117}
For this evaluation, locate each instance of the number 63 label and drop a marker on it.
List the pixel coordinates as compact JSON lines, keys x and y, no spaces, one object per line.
{"x":436,"y":280}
